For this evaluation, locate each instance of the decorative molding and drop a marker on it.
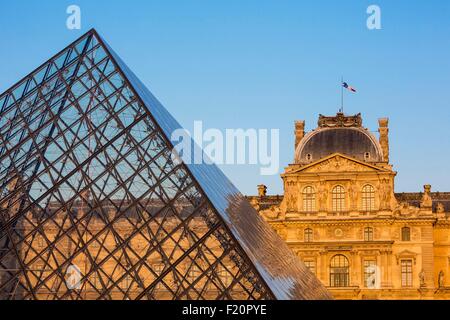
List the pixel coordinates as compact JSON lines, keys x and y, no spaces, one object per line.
{"x":340,"y":120}
{"x":406,"y":254}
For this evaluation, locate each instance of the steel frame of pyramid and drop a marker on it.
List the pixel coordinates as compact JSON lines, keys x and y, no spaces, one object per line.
{"x":87,"y":180}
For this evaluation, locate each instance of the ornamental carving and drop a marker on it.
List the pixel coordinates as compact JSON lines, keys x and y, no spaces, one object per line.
{"x":339,"y":232}
{"x":338,"y":164}
{"x":385,"y":194}
{"x":340,"y":120}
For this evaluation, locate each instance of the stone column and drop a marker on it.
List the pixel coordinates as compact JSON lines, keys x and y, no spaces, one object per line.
{"x":385,"y":269}
{"x":389,"y":267}
{"x":299,"y":132}
{"x":384,"y":137}
{"x":323,"y":272}
{"x":354,"y":268}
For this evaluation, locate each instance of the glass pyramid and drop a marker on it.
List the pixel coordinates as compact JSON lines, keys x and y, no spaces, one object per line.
{"x":92,"y":206}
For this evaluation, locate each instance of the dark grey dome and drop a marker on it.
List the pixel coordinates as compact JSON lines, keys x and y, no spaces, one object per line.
{"x":353,"y":142}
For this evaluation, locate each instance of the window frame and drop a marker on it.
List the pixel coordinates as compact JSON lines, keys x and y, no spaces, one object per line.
{"x":406,"y":269}
{"x":308,"y":235}
{"x":368,"y":234}
{"x":311,"y":265}
{"x":338,"y":198}
{"x":340,"y":273}
{"x":309,"y":199}
{"x":158,"y":269}
{"x":368,"y":198}
{"x":406,"y":234}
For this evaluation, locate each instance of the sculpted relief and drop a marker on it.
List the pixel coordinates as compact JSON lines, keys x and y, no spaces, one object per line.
{"x":323,"y":196}
{"x":385,"y":194}
{"x":338,"y":164}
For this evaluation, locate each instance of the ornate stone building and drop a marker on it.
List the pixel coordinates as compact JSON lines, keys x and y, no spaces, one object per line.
{"x":340,"y":215}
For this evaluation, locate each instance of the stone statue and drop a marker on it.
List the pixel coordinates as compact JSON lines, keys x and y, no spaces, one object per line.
{"x":440,"y":208}
{"x":422,"y":278}
{"x":385,"y":194}
{"x":441,"y":279}
{"x":426,"y":202}
{"x":292,"y":203}
{"x":353,"y":196}
{"x":323,"y":196}
{"x":262,"y":190}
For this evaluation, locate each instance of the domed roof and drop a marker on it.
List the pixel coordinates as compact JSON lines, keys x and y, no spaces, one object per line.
{"x":337,"y":136}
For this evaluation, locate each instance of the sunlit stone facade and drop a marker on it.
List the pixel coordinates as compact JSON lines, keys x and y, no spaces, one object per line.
{"x":341,"y":216}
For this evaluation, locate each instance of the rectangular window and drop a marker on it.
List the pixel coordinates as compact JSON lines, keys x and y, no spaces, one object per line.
{"x":158,"y":269}
{"x":368,"y":234}
{"x":311,"y":265}
{"x":126,"y":282}
{"x":193,"y":274}
{"x":94,"y":280}
{"x":41,"y":242}
{"x":225,"y":277}
{"x":368,"y":198}
{"x":406,"y":234}
{"x":309,"y":200}
{"x":338,"y":199}
{"x":407,"y":273}
{"x":369,"y":273}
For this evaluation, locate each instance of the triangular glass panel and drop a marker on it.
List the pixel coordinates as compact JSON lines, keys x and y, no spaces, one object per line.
{"x":92,"y":205}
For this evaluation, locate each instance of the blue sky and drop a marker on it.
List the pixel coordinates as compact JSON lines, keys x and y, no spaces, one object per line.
{"x":264,"y":64}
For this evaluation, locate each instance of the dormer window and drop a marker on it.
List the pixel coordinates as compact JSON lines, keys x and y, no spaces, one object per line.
{"x":367,"y":156}
{"x":308,"y":157}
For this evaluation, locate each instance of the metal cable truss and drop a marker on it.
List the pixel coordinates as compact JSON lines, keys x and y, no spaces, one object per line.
{"x":92,"y":205}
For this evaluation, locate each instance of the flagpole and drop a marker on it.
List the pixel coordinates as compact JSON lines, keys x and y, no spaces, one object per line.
{"x":342,"y":94}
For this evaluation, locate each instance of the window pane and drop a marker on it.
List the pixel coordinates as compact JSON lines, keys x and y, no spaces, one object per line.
{"x":338,"y":199}
{"x":368,"y":234}
{"x":368,"y":198}
{"x":406,"y":273}
{"x":406,"y":234}
{"x":311,"y":265}
{"x":309,"y":199}
{"x":339,"y":271}
{"x":308,"y":235}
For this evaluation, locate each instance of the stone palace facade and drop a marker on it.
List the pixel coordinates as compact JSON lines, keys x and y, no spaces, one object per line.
{"x":341,"y":216}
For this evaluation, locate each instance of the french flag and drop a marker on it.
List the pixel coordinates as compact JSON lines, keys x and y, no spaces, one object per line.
{"x":346,"y":86}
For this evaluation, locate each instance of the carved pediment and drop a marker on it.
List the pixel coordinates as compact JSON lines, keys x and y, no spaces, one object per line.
{"x":340,"y":120}
{"x":338,"y":163}
{"x":406,"y":254}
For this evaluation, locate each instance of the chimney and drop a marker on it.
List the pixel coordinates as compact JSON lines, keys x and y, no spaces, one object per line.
{"x":384,"y":137}
{"x":262,"y":190}
{"x":299,"y":132}
{"x":427,"y":201}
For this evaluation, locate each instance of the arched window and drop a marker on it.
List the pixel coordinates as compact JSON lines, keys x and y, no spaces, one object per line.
{"x":338,"y":199}
{"x":309,"y":199}
{"x":308,"y":235}
{"x":368,"y":198}
{"x":406,"y":234}
{"x":368,"y":234}
{"x":339,"y":271}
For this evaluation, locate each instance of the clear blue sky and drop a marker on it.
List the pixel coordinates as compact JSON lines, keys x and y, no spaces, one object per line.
{"x":264,"y":64}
